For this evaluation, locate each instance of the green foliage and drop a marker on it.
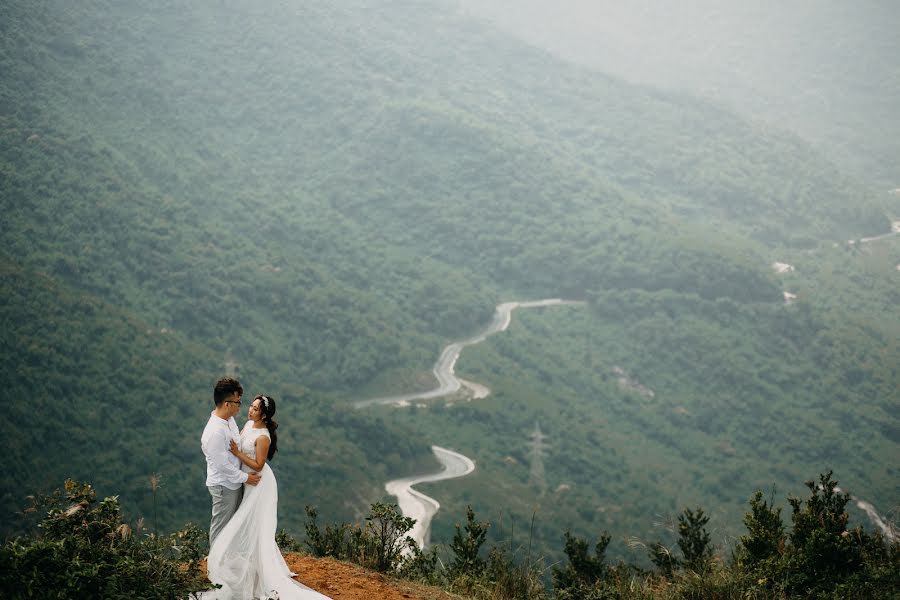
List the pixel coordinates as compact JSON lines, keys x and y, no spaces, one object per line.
{"x":765,"y":538}
{"x":381,"y":544}
{"x":507,"y":576}
{"x":466,"y":545}
{"x":191,"y":544}
{"x":694,"y":540}
{"x":503,"y":575}
{"x":823,"y":553}
{"x":286,"y":542}
{"x":387,"y":528}
{"x":330,"y":542}
{"x":820,"y":558}
{"x":331,"y":223}
{"x":583,"y":571}
{"x":85,"y":550}
{"x":421,"y":566}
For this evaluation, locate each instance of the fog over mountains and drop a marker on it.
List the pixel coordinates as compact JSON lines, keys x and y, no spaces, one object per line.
{"x":323,"y":195}
{"x":825,"y":70}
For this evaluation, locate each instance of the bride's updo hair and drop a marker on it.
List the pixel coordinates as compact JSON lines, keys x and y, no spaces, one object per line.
{"x":267,"y":406}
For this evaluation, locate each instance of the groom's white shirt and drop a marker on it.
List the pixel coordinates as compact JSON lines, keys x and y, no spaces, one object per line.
{"x":222,"y":467}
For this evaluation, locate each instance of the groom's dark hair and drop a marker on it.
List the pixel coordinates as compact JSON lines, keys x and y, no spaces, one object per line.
{"x":225,"y":387}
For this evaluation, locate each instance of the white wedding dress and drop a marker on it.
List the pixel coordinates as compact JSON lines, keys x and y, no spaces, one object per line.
{"x":244,"y":559}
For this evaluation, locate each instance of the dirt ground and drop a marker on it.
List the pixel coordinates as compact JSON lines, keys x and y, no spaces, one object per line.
{"x":344,"y":581}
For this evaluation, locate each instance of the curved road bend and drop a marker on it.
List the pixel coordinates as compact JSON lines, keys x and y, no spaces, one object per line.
{"x":423,"y":508}
{"x":417,"y":505}
{"x":448,"y":382}
{"x":413,"y":503}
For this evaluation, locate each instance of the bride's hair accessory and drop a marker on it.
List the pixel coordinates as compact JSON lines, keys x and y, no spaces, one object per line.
{"x":265,"y":402}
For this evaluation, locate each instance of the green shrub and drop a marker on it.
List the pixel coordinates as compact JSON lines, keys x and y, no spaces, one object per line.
{"x":512,"y":579}
{"x":419,"y":565}
{"x":386,"y":529}
{"x":694,"y":540}
{"x":85,"y":550}
{"x":330,"y":542}
{"x":286,"y":542}
{"x":502,"y":576}
{"x":820,"y":558}
{"x":380,"y":545}
{"x":583,"y":571}
{"x":823,"y":554}
{"x":765,"y":538}
{"x":466,"y":546}
{"x":191,"y":545}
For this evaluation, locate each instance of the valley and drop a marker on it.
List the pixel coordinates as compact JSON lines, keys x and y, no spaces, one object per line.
{"x":333,"y":195}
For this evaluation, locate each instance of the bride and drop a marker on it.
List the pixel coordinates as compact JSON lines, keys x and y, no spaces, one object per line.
{"x":244,"y":559}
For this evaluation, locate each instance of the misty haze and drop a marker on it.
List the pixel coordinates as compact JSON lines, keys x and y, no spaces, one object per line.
{"x":578,"y":266}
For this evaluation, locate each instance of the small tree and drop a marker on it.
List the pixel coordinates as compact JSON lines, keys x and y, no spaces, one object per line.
{"x":286,"y":542}
{"x":693,"y":539}
{"x":387,"y":527}
{"x":583,"y":571}
{"x":419,"y":565}
{"x":331,"y":542}
{"x":85,"y":550}
{"x":765,"y":537}
{"x":822,"y":553}
{"x":467,"y":546}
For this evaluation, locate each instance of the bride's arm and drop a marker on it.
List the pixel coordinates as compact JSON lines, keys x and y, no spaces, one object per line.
{"x":262,"y":452}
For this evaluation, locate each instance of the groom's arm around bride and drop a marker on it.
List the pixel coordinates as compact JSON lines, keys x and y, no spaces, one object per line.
{"x":224,"y":478}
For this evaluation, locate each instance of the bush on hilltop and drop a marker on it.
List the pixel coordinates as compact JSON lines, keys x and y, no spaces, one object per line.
{"x":85,"y":550}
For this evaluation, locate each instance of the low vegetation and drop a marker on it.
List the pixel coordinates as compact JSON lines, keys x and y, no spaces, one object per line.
{"x":328,"y":224}
{"x":817,"y":557}
{"x":82,"y":548}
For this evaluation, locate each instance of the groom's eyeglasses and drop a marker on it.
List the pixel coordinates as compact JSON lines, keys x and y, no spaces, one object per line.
{"x":238,"y":402}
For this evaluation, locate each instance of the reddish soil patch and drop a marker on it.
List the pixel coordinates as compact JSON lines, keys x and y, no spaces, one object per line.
{"x":345,"y":581}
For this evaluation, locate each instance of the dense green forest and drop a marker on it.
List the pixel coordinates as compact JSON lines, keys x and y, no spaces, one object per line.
{"x":672,"y":393}
{"x":328,"y":192}
{"x":826,"y":70}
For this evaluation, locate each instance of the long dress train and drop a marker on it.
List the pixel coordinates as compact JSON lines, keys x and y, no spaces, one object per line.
{"x":244,"y":559}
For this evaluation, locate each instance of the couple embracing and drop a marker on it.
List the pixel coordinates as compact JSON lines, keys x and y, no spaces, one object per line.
{"x":243,"y":556}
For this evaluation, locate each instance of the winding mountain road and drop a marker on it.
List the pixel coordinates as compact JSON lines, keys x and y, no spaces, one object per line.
{"x":417,"y":505}
{"x":448,"y":382}
{"x":413,"y":503}
{"x":423,"y":508}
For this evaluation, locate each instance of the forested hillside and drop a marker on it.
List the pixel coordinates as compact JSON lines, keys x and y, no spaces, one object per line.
{"x":327,"y":192}
{"x":826,"y":70}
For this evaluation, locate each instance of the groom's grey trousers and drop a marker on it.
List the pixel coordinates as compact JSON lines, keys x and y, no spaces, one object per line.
{"x":224,"y":504}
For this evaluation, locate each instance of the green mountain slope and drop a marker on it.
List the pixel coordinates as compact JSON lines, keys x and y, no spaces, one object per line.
{"x":99,"y":394}
{"x":328,"y":192}
{"x":650,"y":402}
{"x":826,"y":70}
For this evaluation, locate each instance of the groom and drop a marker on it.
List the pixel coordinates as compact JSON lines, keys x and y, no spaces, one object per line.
{"x":224,"y":478}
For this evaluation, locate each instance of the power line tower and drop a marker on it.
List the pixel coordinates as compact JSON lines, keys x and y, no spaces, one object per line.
{"x":538,"y":446}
